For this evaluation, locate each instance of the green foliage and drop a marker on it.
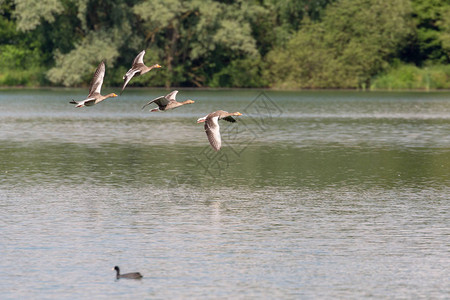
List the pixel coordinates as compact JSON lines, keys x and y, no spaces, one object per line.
{"x":33,"y":76}
{"x":444,"y":26}
{"x":200,"y":36}
{"x":426,"y":45}
{"x":13,"y":57}
{"x":240,"y":73}
{"x":352,"y":43}
{"x":21,"y":60}
{"x":72,"y":68}
{"x":7,"y":31}
{"x":232,"y":43}
{"x":96,"y":43}
{"x":290,"y":13}
{"x":30,"y":12}
{"x":412,"y":77}
{"x":62,"y":34}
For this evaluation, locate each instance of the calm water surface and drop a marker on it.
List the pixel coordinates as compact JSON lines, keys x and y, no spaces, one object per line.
{"x":314,"y":195}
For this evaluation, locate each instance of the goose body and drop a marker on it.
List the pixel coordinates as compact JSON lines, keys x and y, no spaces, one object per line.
{"x":137,"y":68}
{"x":167,"y":102}
{"x":212,"y":127}
{"x":95,"y":87}
{"x":135,"y":275}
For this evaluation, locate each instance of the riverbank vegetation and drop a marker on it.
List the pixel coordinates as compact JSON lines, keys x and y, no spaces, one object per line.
{"x":359,"y":44}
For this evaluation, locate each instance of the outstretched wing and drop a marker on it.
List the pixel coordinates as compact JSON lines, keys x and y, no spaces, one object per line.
{"x":130,"y":74}
{"x":139,"y":58}
{"x":229,"y":119}
{"x":160,"y":101}
{"x":89,"y":102}
{"x":212,"y":130}
{"x":85,"y":102}
{"x":172,"y":95}
{"x":97,"y":80}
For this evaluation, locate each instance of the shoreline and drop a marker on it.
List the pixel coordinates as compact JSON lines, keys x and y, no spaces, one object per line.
{"x":268,"y":89}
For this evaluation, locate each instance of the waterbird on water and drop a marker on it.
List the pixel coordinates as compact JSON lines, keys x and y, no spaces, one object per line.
{"x":137,"y":68}
{"x":212,"y":127}
{"x":135,"y":275}
{"x":94,"y":96}
{"x":167,"y":102}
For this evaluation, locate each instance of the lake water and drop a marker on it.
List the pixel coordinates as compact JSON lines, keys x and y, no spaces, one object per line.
{"x":314,"y":195}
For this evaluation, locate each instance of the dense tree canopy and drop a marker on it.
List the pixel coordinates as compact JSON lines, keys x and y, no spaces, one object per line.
{"x":222,"y":43}
{"x":353,"y":42}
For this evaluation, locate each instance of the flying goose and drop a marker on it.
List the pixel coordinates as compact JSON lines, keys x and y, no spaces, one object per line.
{"x":167,"y":102}
{"x":137,"y":68}
{"x":94,"y":96}
{"x":212,"y":127}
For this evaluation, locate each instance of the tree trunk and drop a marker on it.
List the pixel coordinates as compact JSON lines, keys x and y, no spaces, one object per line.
{"x":171,"y":49}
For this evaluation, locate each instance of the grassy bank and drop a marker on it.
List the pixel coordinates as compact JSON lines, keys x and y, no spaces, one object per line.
{"x":403,"y":77}
{"x":412,"y":77}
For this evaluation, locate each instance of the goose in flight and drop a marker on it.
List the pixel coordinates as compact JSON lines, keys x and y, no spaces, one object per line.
{"x":137,"y":68}
{"x":167,"y":102}
{"x":212,"y":127}
{"x":94,"y":96}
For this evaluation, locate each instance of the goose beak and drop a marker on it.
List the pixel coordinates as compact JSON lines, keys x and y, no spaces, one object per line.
{"x":238,"y":114}
{"x":157,"y":66}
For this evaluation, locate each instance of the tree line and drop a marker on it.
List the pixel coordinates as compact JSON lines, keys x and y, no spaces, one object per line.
{"x":355,"y":44}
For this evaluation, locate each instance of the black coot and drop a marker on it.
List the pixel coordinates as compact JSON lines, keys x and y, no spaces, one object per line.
{"x":135,"y":275}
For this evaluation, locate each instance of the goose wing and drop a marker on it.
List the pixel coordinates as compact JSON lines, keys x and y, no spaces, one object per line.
{"x":212,"y":130}
{"x":89,"y":102}
{"x":130,"y":74}
{"x":229,"y":119}
{"x":172,"y":95}
{"x":97,"y":80}
{"x":139,"y":58}
{"x":160,"y":101}
{"x":85,"y":102}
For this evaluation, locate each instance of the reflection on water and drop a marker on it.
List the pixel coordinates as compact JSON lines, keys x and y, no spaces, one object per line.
{"x":335,"y":195}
